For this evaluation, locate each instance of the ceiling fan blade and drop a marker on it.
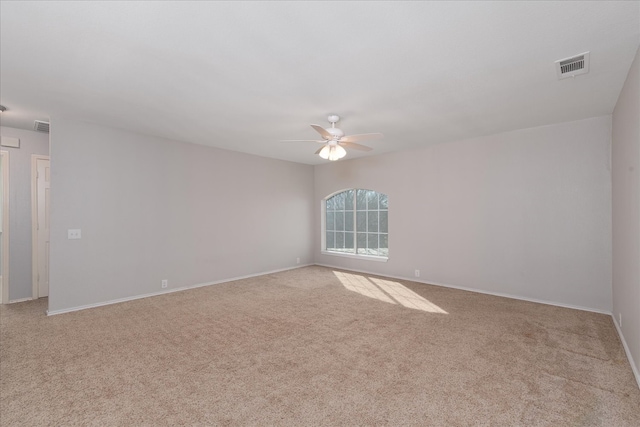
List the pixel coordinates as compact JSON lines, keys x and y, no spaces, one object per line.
{"x":322,"y":131}
{"x":355,"y":146}
{"x":319,"y":150}
{"x":361,"y":137}
{"x":302,"y":140}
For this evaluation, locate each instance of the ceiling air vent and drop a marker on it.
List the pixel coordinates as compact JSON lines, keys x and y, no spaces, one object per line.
{"x":41,"y":126}
{"x":574,"y":66}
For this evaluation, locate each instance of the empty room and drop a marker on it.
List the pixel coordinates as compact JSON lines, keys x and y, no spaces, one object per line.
{"x":320,"y":213}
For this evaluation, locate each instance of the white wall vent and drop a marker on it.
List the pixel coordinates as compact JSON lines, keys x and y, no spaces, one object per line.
{"x":41,"y":126}
{"x":574,"y":66}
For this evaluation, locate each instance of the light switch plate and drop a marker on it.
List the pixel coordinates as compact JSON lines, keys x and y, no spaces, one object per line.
{"x":74,"y":234}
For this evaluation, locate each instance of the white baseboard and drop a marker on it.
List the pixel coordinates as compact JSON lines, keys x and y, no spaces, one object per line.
{"x":634,"y":368}
{"x":167,"y":291}
{"x":13,"y":301}
{"x":480,"y":291}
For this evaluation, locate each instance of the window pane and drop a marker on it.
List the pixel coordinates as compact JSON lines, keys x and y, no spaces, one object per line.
{"x":384,"y":202}
{"x":339,"y":221}
{"x":383,"y":221}
{"x":330,"y":204}
{"x":372,"y":200}
{"x":362,"y":243}
{"x":339,"y":240}
{"x":372,"y":222}
{"x":361,"y":203}
{"x":348,"y":240}
{"x":330,"y":241}
{"x":372,"y":242}
{"x":384,"y":241}
{"x":348,"y":201}
{"x":348,"y":221}
{"x":339,"y":201}
{"x":330,"y":221}
{"x":361,"y":221}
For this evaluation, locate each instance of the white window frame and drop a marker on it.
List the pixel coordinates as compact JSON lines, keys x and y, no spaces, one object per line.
{"x":323,"y":238}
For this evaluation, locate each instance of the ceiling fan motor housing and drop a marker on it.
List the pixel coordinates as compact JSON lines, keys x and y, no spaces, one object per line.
{"x":335,"y":132}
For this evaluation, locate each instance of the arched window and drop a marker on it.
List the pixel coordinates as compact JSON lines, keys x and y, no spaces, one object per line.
{"x":356,"y":222}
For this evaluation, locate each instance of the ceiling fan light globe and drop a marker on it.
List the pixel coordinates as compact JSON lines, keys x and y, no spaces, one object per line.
{"x":336,"y":152}
{"x":324,"y":153}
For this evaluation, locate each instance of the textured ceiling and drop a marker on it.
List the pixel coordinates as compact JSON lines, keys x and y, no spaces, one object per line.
{"x":243,"y":76}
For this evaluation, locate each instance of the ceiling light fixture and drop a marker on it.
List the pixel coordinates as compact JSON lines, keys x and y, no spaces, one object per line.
{"x":335,"y":141}
{"x":332,"y":151}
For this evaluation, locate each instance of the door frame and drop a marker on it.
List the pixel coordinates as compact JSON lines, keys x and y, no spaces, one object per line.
{"x":34,"y":223}
{"x":4,"y":283}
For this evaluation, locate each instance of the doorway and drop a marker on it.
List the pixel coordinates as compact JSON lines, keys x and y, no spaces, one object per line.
{"x":40,"y":206}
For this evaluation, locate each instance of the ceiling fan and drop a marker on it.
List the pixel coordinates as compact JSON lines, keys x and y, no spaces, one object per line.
{"x":335,"y":141}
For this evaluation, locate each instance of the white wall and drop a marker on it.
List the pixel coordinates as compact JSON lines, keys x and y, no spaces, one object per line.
{"x":626,"y":212}
{"x":524,"y":213}
{"x":20,"y":268}
{"x":153,"y":209}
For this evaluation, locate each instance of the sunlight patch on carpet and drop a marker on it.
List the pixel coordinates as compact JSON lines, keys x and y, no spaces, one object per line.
{"x":362,"y":285}
{"x":386,"y":291}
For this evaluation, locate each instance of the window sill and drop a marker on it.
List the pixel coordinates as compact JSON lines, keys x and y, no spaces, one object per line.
{"x":356,"y":256}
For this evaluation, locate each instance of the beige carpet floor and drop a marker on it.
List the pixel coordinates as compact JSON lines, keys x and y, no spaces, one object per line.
{"x":311,"y":347}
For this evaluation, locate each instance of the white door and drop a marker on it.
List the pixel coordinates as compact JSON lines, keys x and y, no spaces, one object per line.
{"x":43,"y":176}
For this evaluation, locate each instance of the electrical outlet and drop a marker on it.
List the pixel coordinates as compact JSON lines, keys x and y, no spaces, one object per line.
{"x":297,"y":260}
{"x":417,"y":273}
{"x":165,"y":283}
{"x":73,"y":234}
